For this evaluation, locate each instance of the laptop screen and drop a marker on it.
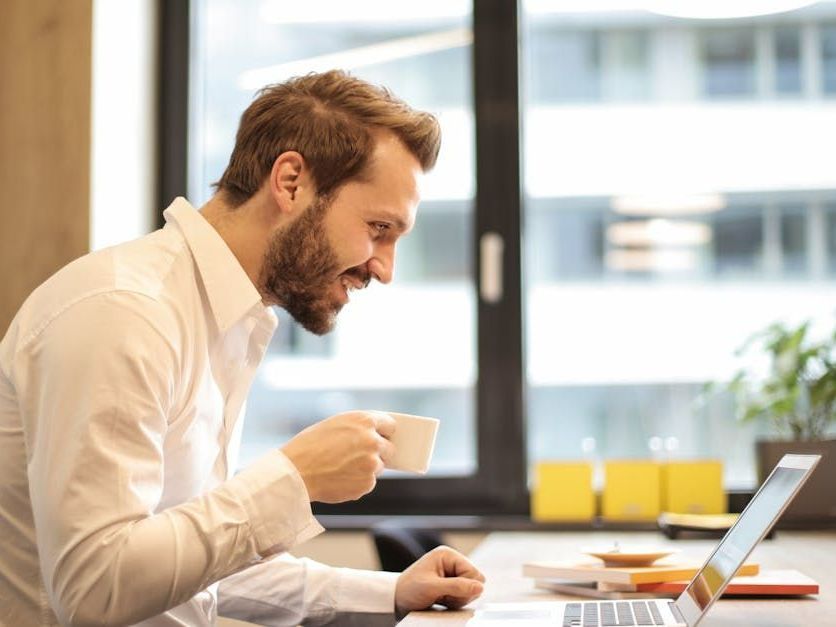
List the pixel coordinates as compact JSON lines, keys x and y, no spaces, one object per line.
{"x":755,"y":521}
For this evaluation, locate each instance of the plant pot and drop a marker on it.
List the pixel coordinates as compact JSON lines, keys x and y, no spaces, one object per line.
{"x":816,"y":502}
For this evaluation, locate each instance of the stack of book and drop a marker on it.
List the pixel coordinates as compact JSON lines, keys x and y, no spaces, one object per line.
{"x":674,"y":525}
{"x":590,"y":579}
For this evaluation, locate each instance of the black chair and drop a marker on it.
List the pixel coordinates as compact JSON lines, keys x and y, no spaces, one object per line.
{"x":397,"y":546}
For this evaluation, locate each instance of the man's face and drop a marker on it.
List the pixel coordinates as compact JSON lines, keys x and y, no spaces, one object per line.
{"x":341,"y":243}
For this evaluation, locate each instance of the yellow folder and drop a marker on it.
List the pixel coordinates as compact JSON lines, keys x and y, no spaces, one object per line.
{"x":693,"y":487}
{"x":632,"y":490}
{"x":562,"y":491}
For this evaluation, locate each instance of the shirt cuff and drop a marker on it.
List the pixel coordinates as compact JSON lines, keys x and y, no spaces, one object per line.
{"x":365,"y":591}
{"x":277,"y":504}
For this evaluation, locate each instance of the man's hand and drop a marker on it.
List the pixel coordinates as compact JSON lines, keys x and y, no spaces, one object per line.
{"x":441,"y":576}
{"x":339,"y":458}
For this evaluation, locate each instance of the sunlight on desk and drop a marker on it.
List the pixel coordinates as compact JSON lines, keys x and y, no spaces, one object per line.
{"x":501,"y":555}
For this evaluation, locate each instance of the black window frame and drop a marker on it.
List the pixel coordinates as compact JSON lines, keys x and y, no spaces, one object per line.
{"x":499,"y":484}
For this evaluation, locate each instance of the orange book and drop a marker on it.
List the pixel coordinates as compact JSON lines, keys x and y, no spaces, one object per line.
{"x":765,"y":583}
{"x":768,"y":582}
{"x":596,"y":571}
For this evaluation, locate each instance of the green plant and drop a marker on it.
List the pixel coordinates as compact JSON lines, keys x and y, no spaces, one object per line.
{"x":798,"y":392}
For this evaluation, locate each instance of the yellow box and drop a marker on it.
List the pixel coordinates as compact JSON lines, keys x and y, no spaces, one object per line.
{"x":562,"y":491}
{"x":693,"y":487}
{"x":632,"y":490}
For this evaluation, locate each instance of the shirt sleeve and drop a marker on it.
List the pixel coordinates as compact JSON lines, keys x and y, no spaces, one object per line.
{"x":96,"y":388}
{"x":287,"y":591}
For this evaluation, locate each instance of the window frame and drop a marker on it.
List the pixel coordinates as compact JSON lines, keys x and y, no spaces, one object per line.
{"x":499,"y":484}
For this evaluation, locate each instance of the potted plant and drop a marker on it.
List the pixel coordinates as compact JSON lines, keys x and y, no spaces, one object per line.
{"x":795,"y":390}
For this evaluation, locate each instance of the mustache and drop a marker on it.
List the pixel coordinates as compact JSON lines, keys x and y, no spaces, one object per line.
{"x":361,"y":274}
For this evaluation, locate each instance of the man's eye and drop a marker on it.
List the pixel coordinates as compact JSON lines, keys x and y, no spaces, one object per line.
{"x":380,"y":227}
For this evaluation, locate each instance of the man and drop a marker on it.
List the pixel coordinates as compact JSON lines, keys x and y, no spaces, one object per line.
{"x":122,"y":380}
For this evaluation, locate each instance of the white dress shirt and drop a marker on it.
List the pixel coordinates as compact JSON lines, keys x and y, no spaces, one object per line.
{"x":122,"y":383}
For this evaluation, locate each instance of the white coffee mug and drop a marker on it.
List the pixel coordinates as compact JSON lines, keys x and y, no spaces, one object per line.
{"x":414,"y":440}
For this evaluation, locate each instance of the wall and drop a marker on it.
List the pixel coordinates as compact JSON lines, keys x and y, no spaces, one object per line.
{"x":124,"y":137}
{"x":45,"y":73}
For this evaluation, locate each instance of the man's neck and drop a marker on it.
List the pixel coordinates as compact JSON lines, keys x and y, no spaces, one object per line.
{"x":241,"y":229}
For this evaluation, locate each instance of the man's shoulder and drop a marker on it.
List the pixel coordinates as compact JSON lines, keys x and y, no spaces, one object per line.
{"x":152,"y":265}
{"x":154,"y":273}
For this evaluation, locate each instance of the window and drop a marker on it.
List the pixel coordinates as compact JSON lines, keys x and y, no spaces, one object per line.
{"x":626,"y":65}
{"x":738,"y":241}
{"x":830,"y":235}
{"x":655,"y":193}
{"x":794,"y":244}
{"x":444,"y":365}
{"x":565,"y":66}
{"x":657,"y":236}
{"x":423,"y":55}
{"x":788,"y":60}
{"x":728,"y":56}
{"x":828,"y":52}
{"x":580,"y":229}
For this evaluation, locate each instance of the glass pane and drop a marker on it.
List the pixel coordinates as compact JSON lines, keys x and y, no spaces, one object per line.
{"x":788,"y":60}
{"x":738,"y":241}
{"x":564,"y":66}
{"x":728,"y":56}
{"x":830,"y":236}
{"x":407,"y":347}
{"x":626,"y":70}
{"x":794,"y":239}
{"x":828,"y":50}
{"x":581,"y":230}
{"x":662,"y":232}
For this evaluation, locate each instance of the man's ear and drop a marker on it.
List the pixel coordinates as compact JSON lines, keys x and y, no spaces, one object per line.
{"x":290,"y":182}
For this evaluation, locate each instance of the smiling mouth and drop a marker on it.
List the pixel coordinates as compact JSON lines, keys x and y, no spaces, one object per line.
{"x":354,"y":279}
{"x":349,"y":286}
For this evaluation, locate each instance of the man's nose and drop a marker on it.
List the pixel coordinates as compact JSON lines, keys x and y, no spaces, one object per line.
{"x":382,"y":265}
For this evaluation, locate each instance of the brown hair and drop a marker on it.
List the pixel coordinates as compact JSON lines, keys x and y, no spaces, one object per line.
{"x":329,"y":119}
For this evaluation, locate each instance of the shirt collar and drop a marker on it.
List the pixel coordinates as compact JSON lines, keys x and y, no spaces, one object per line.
{"x":230,"y":291}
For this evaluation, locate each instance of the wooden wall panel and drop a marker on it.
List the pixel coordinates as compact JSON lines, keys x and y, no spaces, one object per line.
{"x":45,"y":83}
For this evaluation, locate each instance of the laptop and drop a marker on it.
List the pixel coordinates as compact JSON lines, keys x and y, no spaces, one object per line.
{"x":765,"y":508}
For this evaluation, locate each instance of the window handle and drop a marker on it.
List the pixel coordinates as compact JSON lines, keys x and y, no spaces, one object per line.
{"x":491,"y":249}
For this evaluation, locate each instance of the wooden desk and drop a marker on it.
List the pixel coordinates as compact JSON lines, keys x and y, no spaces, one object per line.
{"x":812,"y":552}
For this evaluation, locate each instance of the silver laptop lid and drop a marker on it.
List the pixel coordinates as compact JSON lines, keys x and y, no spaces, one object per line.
{"x":770,"y":501}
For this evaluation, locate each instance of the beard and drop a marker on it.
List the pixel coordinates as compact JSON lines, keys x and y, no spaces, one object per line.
{"x":300,"y":268}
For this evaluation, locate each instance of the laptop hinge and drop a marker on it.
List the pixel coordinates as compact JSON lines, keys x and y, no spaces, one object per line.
{"x":676,"y":613}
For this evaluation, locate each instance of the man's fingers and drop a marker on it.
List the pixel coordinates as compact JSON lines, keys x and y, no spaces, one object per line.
{"x":384,"y":424}
{"x":458,"y":591}
{"x":379,"y":467}
{"x":385,"y":449}
{"x":454,"y":603}
{"x":457,"y":565}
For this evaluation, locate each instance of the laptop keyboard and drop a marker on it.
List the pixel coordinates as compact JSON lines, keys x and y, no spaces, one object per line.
{"x":613,"y":614}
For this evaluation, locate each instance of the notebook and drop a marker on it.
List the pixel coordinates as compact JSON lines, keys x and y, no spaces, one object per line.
{"x":765,"y":583}
{"x":619,"y":574}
